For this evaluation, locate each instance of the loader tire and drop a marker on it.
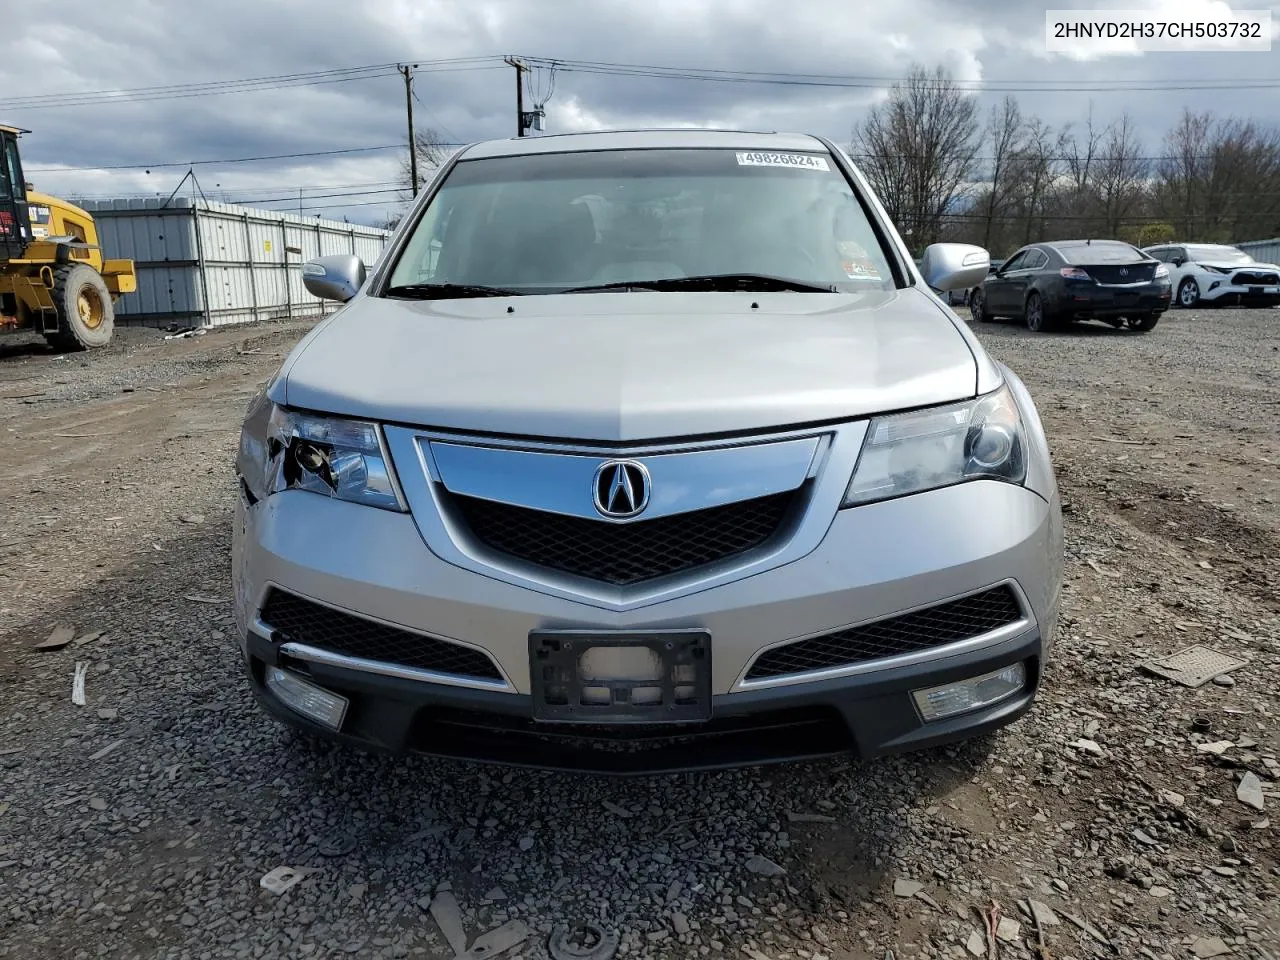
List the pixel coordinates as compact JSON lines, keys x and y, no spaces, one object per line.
{"x":86,"y":317}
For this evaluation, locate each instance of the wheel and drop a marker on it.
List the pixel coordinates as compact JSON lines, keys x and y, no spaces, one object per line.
{"x":1037,"y":318}
{"x":978,"y":307}
{"x":1188,"y":293}
{"x":1144,"y":321}
{"x":83,"y":302}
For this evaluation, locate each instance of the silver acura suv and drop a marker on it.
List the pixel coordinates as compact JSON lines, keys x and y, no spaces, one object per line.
{"x":645,"y":451}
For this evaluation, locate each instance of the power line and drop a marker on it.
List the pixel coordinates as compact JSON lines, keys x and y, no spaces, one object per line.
{"x":605,"y":68}
{"x":363,"y":203}
{"x":315,"y":196}
{"x":196,"y":163}
{"x":105,"y":98}
{"x":219,"y":87}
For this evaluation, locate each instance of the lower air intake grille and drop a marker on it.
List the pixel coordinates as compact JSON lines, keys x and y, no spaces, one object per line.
{"x":933,"y":627}
{"x":315,"y":625}
{"x":624,"y":553}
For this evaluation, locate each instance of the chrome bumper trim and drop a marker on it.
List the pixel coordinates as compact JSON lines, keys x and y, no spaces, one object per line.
{"x":302,"y":651}
{"x":991,"y":637}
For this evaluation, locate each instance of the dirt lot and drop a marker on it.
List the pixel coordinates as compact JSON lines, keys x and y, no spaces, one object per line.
{"x":140,"y":824}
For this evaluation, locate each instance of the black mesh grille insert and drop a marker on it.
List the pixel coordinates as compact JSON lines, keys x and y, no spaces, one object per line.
{"x":933,"y":627}
{"x":318,"y":626}
{"x":1255,"y":277}
{"x":624,"y":553}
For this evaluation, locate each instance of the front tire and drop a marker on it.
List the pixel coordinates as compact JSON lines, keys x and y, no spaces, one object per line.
{"x":1144,"y":322}
{"x":86,"y":318}
{"x":1188,"y":293}
{"x":1035,"y":315}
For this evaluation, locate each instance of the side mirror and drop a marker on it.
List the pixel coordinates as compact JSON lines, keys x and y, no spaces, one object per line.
{"x":337,"y":277}
{"x":954,"y":266}
{"x":1178,"y":261}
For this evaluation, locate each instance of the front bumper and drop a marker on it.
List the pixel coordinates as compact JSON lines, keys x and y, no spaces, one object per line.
{"x":867,"y":716}
{"x":875,"y":561}
{"x":1217,"y":292}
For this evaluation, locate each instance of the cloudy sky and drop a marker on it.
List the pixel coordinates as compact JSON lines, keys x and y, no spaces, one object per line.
{"x":69,"y":53}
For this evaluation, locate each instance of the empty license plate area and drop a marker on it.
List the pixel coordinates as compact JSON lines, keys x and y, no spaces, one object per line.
{"x":644,"y":678}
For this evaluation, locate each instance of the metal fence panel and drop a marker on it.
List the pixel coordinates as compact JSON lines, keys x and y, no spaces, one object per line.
{"x":208,"y":263}
{"x":1264,"y":251}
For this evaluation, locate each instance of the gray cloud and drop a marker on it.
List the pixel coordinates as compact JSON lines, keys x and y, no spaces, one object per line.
{"x":79,"y":45}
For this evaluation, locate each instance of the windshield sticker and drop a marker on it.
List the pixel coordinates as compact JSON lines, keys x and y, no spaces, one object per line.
{"x":860,"y":270}
{"x":798,"y":161}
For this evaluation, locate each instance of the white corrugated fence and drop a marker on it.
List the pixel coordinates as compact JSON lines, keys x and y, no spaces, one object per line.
{"x":1264,"y":251}
{"x":204,"y":263}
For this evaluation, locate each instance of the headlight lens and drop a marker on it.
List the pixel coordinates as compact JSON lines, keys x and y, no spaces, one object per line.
{"x":912,"y":452}
{"x":333,"y":457}
{"x":1161,"y":272}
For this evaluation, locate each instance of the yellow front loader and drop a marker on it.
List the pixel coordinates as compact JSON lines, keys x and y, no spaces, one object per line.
{"x":53,"y":277}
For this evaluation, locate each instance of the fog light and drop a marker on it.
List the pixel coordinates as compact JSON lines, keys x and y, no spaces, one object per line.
{"x":306,"y":698}
{"x":937,"y":703}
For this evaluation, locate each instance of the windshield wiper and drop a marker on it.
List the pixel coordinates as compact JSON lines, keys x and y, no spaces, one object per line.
{"x":446,"y":291}
{"x":712,"y":281}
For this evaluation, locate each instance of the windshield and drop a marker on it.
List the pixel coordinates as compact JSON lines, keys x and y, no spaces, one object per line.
{"x":545,"y":223}
{"x":1218,"y":254}
{"x":8,"y":167}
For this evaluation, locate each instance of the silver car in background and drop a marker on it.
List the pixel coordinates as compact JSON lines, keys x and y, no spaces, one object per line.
{"x":646,"y":451}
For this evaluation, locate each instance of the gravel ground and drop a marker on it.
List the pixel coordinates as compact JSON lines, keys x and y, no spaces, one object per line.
{"x":140,"y":824}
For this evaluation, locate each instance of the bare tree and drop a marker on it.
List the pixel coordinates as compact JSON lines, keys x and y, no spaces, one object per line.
{"x":1220,"y":178}
{"x":1079,"y":154}
{"x":1036,"y":169}
{"x":1120,"y":176}
{"x":1004,"y":132}
{"x":918,"y":150}
{"x":432,"y":151}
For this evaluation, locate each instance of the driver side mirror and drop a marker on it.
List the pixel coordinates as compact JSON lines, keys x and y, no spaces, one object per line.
{"x":1178,"y":261}
{"x":337,"y":277}
{"x":954,"y":266}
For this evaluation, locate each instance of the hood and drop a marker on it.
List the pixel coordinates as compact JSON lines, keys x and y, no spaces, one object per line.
{"x":1234,"y":265}
{"x":631,"y":366}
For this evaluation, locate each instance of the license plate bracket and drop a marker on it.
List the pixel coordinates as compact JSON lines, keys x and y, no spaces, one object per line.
{"x":590,"y":677}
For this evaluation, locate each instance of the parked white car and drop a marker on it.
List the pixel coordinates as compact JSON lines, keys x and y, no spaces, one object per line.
{"x":1215,"y":274}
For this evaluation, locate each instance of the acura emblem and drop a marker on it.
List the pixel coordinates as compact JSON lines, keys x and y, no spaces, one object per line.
{"x":620,"y":489}
{"x":1124,"y":271}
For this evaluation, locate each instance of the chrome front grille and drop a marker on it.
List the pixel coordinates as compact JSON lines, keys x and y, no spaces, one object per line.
{"x":629,"y":553}
{"x":935,"y":626}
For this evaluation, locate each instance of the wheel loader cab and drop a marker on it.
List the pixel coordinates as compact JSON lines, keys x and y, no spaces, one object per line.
{"x":15,"y":226}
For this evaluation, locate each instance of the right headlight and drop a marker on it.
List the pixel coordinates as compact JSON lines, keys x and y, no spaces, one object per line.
{"x":940,"y":446}
{"x":282,"y":449}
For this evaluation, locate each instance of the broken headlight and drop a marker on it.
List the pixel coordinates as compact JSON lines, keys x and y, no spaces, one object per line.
{"x":344,"y":459}
{"x":940,"y":446}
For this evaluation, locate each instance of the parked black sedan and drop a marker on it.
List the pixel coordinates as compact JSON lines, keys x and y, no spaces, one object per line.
{"x":1047,"y":285}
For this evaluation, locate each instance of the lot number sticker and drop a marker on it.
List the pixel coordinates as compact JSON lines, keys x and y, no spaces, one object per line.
{"x":799,"y":161}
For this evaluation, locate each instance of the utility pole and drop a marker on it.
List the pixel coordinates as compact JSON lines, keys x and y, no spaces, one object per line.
{"x":407,"y":71}
{"x":520,"y":69}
